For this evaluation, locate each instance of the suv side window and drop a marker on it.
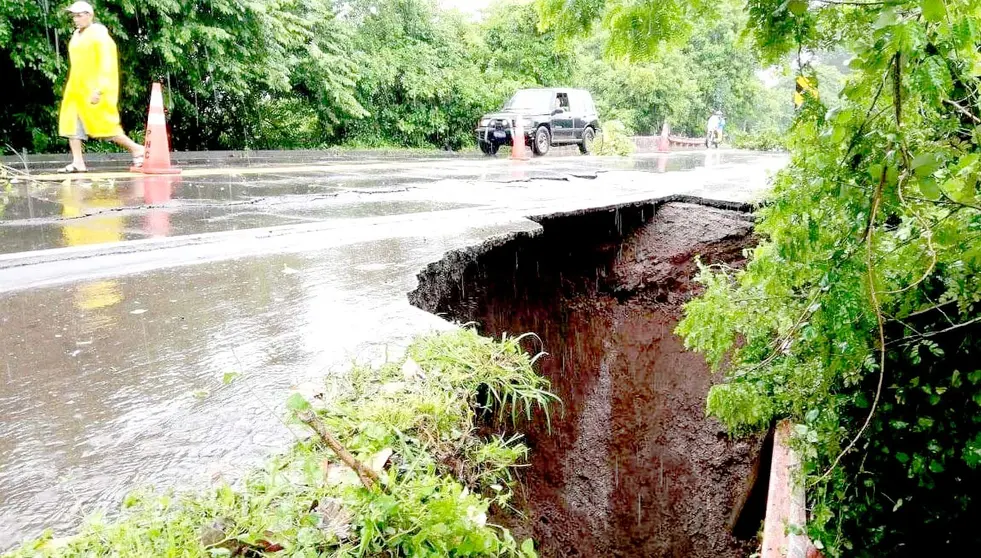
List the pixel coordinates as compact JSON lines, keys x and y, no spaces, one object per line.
{"x":585,"y":102}
{"x":575,"y":98}
{"x":561,"y":101}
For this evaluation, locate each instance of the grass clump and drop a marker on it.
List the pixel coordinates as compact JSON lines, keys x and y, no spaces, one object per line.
{"x":613,"y":140}
{"x":415,"y":423}
{"x":761,"y":140}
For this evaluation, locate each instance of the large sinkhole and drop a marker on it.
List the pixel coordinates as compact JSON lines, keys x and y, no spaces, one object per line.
{"x":631,"y":466}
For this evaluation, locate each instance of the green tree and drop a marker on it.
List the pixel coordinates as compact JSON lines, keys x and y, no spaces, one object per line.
{"x":421,"y":79}
{"x":221,"y":61}
{"x":641,"y":95}
{"x":858,"y":315}
{"x":682,"y":81}
{"x":639,"y":29}
{"x":516,"y":46}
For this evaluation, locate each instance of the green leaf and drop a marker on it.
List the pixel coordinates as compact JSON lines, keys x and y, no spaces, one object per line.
{"x":297,"y":403}
{"x":925,"y":164}
{"x":229,"y":377}
{"x":892,"y":175}
{"x":929,"y":188}
{"x":528,"y":548}
{"x":933,"y":10}
{"x":936,"y":467}
{"x":797,"y":7}
{"x":887,"y":17}
{"x":972,"y":452}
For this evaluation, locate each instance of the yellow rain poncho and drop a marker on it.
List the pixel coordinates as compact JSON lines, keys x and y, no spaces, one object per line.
{"x":94,"y":67}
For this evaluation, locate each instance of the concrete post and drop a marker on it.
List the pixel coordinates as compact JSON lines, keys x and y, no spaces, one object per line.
{"x":785,"y":503}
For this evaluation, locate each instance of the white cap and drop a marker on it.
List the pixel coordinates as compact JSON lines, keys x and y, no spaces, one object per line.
{"x":81,"y":8}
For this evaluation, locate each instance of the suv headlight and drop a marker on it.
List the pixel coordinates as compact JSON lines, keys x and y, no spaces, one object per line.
{"x":484,"y":122}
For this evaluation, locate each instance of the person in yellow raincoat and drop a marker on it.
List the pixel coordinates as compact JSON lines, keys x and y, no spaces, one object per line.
{"x":88,"y":108}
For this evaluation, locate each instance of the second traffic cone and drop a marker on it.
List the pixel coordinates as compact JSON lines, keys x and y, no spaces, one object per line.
{"x":663,"y":143}
{"x":156,"y":160}
{"x":518,"y":151}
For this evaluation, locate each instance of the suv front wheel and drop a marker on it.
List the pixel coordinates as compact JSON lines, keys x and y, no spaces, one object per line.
{"x":588,"y":136}
{"x":489,"y":148}
{"x":543,"y":141}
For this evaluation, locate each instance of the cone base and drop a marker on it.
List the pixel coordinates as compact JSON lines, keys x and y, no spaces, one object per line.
{"x":141,"y":170}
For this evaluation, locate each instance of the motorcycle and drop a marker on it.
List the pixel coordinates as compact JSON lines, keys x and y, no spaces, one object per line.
{"x":713,"y":139}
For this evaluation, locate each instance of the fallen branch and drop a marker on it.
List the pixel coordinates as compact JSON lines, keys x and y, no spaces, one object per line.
{"x":930,"y":309}
{"x":368,"y":477}
{"x":929,"y":334}
{"x":963,"y":111}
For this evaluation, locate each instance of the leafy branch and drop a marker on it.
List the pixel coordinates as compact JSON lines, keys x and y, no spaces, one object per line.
{"x":870,"y":269}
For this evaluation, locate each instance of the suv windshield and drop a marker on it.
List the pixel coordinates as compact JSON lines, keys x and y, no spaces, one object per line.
{"x":530,"y":99}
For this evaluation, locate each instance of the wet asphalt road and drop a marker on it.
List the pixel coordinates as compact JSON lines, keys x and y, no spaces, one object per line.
{"x":123,"y":301}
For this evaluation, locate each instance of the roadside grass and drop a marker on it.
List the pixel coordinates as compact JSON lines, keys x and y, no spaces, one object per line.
{"x":416,"y":423}
{"x":613,"y":140}
{"x":7,"y":176}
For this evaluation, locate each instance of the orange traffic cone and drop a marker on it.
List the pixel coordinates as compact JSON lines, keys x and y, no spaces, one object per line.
{"x":157,"y":157}
{"x":519,"y":150}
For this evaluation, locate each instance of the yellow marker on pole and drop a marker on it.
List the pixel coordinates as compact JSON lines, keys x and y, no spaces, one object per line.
{"x":804,"y":85}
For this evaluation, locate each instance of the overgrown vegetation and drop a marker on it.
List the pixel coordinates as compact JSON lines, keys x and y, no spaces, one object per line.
{"x":763,"y":140}
{"x":613,"y":140}
{"x":372,"y":73}
{"x":6,"y":188}
{"x":859,"y":315}
{"x":414,"y":423}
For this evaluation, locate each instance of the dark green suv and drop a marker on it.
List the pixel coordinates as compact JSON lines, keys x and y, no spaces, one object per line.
{"x":554,"y":116}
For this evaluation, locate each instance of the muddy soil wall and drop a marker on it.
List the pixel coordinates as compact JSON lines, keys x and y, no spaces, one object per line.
{"x":631,"y":466}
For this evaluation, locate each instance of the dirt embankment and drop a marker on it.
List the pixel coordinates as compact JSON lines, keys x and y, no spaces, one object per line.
{"x":631,"y":466}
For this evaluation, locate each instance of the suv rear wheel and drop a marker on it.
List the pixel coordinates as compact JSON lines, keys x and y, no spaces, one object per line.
{"x":543,"y":141}
{"x":588,"y":136}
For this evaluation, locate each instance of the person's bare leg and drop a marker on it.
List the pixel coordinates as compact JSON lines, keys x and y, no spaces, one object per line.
{"x":76,"y":146}
{"x":134,"y":148}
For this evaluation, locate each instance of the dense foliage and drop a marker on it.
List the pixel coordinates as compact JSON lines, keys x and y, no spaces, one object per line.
{"x":310,"y":73}
{"x":864,"y":326}
{"x":684,"y":83}
{"x":859,"y":314}
{"x":225,"y":65}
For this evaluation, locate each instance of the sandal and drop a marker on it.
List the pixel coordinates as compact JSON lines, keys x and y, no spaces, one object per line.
{"x":70,"y":168}
{"x":138,"y":161}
